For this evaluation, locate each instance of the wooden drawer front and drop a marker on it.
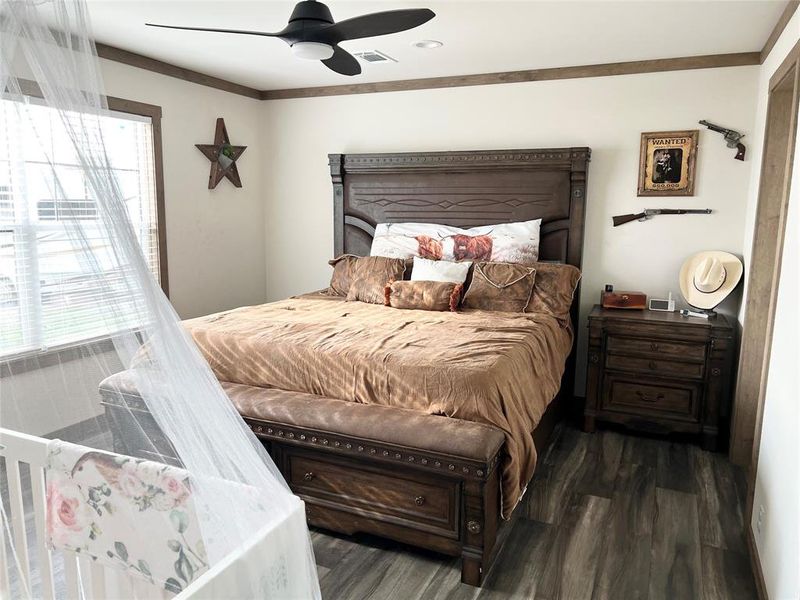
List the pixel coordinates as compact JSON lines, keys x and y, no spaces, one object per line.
{"x":665,"y":399}
{"x":656,"y":348}
{"x":655,"y":366}
{"x":432,"y":502}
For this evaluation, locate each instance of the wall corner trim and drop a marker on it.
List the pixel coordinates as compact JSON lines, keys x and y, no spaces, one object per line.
{"x":783,"y":21}
{"x":755,"y":563}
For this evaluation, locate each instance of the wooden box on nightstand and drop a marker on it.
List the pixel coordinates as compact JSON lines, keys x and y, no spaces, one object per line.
{"x":660,"y":372}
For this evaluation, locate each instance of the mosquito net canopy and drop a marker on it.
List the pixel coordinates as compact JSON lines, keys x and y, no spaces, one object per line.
{"x":200,"y":501}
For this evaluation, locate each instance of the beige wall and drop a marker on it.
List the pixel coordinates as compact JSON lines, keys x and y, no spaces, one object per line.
{"x":606,"y":114}
{"x":778,"y":476}
{"x":215,"y":238}
{"x":39,"y":401}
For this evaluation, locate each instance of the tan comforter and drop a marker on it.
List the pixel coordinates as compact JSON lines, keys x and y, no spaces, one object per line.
{"x":490,"y":367}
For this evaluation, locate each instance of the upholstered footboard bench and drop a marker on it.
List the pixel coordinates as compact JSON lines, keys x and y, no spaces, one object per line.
{"x":425,"y":480}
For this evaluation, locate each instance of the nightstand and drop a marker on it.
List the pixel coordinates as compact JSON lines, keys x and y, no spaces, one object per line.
{"x":660,"y":372}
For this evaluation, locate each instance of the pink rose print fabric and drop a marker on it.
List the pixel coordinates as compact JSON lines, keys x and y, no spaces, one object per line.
{"x":110,"y":507}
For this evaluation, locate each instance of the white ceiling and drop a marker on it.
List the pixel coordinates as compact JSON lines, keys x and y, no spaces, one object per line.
{"x":479,"y":37}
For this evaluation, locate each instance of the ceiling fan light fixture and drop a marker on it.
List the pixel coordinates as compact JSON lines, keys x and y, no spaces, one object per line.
{"x":314,"y":35}
{"x":312,"y":50}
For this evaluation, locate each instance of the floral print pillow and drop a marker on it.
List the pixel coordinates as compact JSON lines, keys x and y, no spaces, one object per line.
{"x":111,"y":507}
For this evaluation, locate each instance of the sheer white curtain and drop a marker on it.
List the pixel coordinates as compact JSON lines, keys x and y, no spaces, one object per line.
{"x":46,"y":50}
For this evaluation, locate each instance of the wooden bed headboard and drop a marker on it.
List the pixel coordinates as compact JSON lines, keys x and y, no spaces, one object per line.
{"x":466,"y":189}
{"x":463,"y":189}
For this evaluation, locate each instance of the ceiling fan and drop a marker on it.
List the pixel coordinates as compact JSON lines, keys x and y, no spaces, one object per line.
{"x":313,"y":34}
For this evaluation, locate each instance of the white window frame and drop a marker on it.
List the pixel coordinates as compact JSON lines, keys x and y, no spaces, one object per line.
{"x":28,"y":231}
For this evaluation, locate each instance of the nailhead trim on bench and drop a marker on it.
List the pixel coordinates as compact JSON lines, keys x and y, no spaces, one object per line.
{"x":476,"y":470}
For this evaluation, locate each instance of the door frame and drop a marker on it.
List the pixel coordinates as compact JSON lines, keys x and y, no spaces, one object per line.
{"x":756,"y":346}
{"x":764,"y":271}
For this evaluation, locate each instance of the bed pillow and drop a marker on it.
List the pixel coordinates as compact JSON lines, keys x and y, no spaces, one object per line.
{"x":342,"y":277}
{"x":439,"y":270}
{"x":423,"y":295}
{"x":505,"y":242}
{"x":503,"y":287}
{"x":554,"y":289}
{"x":370,"y":276}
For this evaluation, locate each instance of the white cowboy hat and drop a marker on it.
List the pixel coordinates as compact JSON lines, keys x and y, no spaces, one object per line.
{"x":708,"y":277}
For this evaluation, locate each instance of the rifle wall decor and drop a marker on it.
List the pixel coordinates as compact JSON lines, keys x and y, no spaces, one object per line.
{"x":652,"y":212}
{"x":732,"y":138}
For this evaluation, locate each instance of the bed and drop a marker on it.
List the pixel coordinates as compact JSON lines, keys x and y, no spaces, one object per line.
{"x":420,"y":427}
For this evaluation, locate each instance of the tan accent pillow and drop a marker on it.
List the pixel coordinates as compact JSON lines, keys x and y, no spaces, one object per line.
{"x":343,"y":267}
{"x":504,"y":287}
{"x":370,"y":276}
{"x":423,"y":295}
{"x":554,"y":289}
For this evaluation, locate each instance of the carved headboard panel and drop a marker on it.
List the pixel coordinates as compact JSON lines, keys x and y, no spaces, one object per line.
{"x":464,"y":189}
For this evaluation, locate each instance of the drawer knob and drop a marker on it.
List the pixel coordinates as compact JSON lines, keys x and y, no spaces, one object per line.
{"x":419,"y":500}
{"x":308,"y":476}
{"x":653,"y":346}
{"x":652,"y":365}
{"x":649,"y":398}
{"x":473,"y":527}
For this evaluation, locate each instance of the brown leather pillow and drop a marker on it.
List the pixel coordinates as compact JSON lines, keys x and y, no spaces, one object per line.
{"x":423,"y":295}
{"x":504,"y":287}
{"x":343,"y":267}
{"x":370,"y":276}
{"x":554,"y":289}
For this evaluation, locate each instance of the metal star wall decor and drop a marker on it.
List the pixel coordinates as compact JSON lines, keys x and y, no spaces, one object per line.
{"x":223,"y":156}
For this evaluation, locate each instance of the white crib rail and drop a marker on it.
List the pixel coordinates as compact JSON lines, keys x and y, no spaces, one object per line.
{"x":82,"y":578}
{"x":85,"y":579}
{"x":18,"y":448}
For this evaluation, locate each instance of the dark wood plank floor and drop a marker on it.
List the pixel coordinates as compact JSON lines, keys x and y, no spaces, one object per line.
{"x":607,"y":516}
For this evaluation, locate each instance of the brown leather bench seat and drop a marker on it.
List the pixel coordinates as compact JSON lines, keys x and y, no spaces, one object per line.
{"x":402,"y":468}
{"x":390,"y":471}
{"x":399,"y":427}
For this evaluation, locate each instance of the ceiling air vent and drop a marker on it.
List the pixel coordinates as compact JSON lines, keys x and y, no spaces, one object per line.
{"x":374,"y":56}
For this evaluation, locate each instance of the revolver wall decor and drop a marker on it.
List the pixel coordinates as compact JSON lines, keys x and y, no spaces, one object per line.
{"x":732,"y":138}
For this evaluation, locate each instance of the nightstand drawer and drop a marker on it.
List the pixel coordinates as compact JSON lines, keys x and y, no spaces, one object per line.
{"x":674,"y":400}
{"x":656,"y":348}
{"x":660,"y":372}
{"x":655,"y":366}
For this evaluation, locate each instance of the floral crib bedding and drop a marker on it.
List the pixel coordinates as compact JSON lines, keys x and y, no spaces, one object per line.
{"x":130,"y":514}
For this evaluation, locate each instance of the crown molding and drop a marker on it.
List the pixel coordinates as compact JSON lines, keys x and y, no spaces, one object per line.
{"x":602,"y":70}
{"x":783,"y":21}
{"x":164,"y":68}
{"x":683,"y":63}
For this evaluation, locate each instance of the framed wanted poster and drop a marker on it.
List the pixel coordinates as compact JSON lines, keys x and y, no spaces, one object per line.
{"x":667,"y":163}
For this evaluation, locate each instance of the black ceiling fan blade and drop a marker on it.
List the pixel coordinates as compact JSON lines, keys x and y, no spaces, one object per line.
{"x":262,"y":33}
{"x":381,"y":23}
{"x":342,"y":62}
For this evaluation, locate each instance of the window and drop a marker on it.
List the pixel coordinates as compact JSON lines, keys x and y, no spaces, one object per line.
{"x":48,"y":298}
